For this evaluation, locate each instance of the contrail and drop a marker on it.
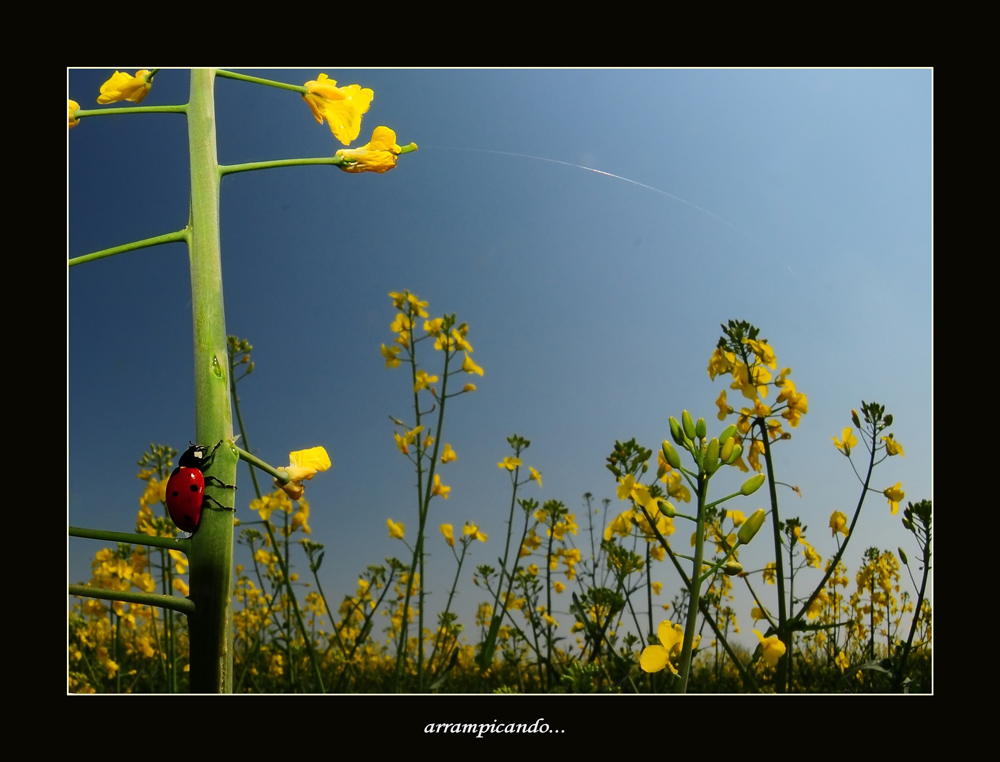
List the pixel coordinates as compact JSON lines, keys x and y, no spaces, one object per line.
{"x":607,"y":174}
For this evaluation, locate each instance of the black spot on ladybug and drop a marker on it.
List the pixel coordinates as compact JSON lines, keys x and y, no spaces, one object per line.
{"x":194,"y":487}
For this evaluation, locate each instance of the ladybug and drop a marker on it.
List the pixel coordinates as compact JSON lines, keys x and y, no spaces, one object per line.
{"x":186,"y":487}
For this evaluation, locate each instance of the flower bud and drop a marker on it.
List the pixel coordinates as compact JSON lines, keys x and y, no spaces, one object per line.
{"x":737,"y":452}
{"x":701,"y":429}
{"x":675,"y":431}
{"x":855,"y":419}
{"x":727,"y":448}
{"x":751,"y":526}
{"x":689,"y":429}
{"x":670,"y":454}
{"x":732,"y":568}
{"x":752,"y":484}
{"x":711,"y":460}
{"x":729,"y":431}
{"x":888,"y":420}
{"x":902,"y":555}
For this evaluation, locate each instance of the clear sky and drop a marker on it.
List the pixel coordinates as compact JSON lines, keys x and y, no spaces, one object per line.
{"x":799,"y":200}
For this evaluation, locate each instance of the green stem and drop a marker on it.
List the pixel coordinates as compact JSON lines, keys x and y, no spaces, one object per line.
{"x":82,"y":112}
{"x":171,"y":543}
{"x":278,"y":473}
{"x":260,"y":81}
{"x":282,"y":476}
{"x":748,"y":682}
{"x":172,"y":602}
{"x":211,"y":553}
{"x":447,"y":609}
{"x":228,"y":169}
{"x":850,"y":531}
{"x":694,"y":590}
{"x":180,"y":235}
{"x":898,"y":681}
{"x":779,"y":569}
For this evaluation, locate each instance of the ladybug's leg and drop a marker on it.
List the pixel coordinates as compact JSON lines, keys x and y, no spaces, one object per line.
{"x":219,"y":483}
{"x":220,"y":506}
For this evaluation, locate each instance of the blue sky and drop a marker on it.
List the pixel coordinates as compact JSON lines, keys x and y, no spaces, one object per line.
{"x":593,"y":303}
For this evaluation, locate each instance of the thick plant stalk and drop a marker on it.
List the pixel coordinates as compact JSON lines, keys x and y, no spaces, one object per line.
{"x":211,"y":553}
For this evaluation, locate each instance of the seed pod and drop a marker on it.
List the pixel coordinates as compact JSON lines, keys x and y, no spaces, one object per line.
{"x":732,"y":568}
{"x":751,"y":526}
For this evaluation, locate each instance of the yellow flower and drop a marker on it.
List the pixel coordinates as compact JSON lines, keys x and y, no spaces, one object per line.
{"x":838,"y":523}
{"x":403,"y":442}
{"x":342,"y":107}
{"x":558,"y":586}
{"x":848,"y":442}
{"x":391,"y":355}
{"x":423,"y":381}
{"x":449,"y":454}
{"x":395,"y":530}
{"x":377,"y":156}
{"x":842,"y":661}
{"x":122,"y":87}
{"x":532,"y":570}
{"x":774,"y":649}
{"x":439,"y":488}
{"x":894,"y":495}
{"x":304,"y":465}
{"x":798,"y":404}
{"x":535,"y":476}
{"x":449,"y":534}
{"x":473,"y":531}
{"x":469,"y":388}
{"x":724,"y":409}
{"x":770,"y":572}
{"x":300,"y":518}
{"x":720,"y":362}
{"x":275,"y":501}
{"x":655,"y":658}
{"x":764,"y":353}
{"x":469,"y":366}
{"x":509,"y":463}
{"x":892,"y":446}
{"x":73,"y":107}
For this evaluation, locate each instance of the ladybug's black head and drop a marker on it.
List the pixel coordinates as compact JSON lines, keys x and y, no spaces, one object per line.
{"x":194,"y":457}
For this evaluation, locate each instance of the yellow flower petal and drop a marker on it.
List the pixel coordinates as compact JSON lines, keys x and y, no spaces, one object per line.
{"x":123,"y":87}
{"x":379,"y":155}
{"x":342,"y":107}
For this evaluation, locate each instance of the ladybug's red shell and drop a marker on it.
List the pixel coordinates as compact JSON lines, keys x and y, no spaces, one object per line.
{"x":185,"y":494}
